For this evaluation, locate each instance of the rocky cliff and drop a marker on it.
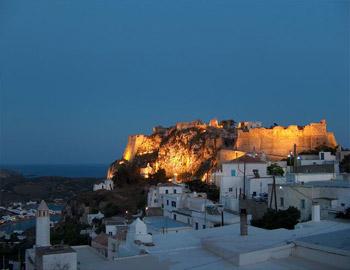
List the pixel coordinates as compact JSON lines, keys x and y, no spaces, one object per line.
{"x":195,"y":148}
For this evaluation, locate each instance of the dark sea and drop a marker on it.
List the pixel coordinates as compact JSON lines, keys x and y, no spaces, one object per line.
{"x":90,"y":170}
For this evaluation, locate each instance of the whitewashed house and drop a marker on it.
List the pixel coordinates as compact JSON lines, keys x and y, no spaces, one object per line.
{"x":91,"y":217}
{"x":106,"y":184}
{"x":114,"y":225}
{"x":196,"y":210}
{"x":321,"y":167}
{"x":332,"y":196}
{"x":156,"y":193}
{"x":245,"y":175}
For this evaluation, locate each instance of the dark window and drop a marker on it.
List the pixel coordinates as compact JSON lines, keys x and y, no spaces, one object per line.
{"x":166,"y":191}
{"x":256,"y":173}
{"x":281,"y":201}
{"x":230,"y":189}
{"x":162,"y":205}
{"x":302,"y":204}
{"x":322,"y":156}
{"x":174,"y":217}
{"x":167,"y":202}
{"x":173,"y":204}
{"x":174,"y":191}
{"x":203,"y":226}
{"x":196,"y":225}
{"x":254,"y":194}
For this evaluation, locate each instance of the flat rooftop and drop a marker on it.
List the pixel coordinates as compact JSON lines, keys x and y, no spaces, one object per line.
{"x":185,"y":250}
{"x":58,"y":249}
{"x":159,"y":222}
{"x":322,"y":184}
{"x":338,"y":240}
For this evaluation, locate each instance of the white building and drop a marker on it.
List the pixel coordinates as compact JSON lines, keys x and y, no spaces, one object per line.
{"x":315,"y":245}
{"x":138,"y":232}
{"x":106,"y":184}
{"x":42,"y":225}
{"x":196,"y":210}
{"x":43,"y":256}
{"x":115,"y":224}
{"x":156,"y":193}
{"x":333,"y":196}
{"x":321,"y":167}
{"x":231,"y":180}
{"x":91,"y":217}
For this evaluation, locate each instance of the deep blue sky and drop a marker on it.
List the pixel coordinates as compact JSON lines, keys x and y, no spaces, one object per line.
{"x":77,"y":77}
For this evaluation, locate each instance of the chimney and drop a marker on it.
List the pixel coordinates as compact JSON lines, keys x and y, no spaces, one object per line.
{"x":243,"y":222}
{"x":316,"y":213}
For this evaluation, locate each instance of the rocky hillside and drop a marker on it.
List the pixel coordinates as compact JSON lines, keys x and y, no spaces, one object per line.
{"x":184,"y":150}
{"x":193,"y":149}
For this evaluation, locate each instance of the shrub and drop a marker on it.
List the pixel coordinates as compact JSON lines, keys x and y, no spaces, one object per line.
{"x":278,"y":219}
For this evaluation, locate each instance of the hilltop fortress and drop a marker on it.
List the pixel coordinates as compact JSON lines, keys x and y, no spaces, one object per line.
{"x":195,"y":148}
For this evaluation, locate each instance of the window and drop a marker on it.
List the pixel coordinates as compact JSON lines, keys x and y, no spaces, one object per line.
{"x":173,"y":204}
{"x":110,"y":233}
{"x":174,"y":216}
{"x":174,"y":191}
{"x":322,"y":155}
{"x":233,"y":172}
{"x":203,"y":226}
{"x":155,"y":200}
{"x":282,"y":201}
{"x":162,"y":205}
{"x":302,"y":204}
{"x":230,"y":189}
{"x":167,"y":202}
{"x":166,"y":191}
{"x":196,"y":225}
{"x":254,"y":194}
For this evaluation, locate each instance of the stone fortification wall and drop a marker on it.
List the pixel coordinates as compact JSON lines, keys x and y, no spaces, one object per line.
{"x":278,"y":142}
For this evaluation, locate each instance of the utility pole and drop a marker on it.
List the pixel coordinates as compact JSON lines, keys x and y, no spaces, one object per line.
{"x":244,"y":173}
{"x":222,"y":217}
{"x":295,"y":161}
{"x":273,"y":193}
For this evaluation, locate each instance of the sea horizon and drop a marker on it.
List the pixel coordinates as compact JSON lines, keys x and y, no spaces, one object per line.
{"x":98,"y":170}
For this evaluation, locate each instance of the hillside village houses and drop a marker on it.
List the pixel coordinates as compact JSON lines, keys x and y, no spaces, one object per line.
{"x":156,"y":193}
{"x":153,"y":241}
{"x":244,"y":175}
{"x":106,"y":184}
{"x":317,"y":244}
{"x":188,"y":209}
{"x":321,"y":167}
{"x":332,"y":196}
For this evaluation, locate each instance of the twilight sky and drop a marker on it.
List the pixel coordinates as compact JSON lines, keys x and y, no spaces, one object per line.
{"x":77,"y":77}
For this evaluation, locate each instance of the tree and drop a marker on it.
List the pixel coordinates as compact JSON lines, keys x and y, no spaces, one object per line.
{"x":212,"y":191}
{"x":286,"y":219}
{"x":275,"y":170}
{"x":345,"y":164}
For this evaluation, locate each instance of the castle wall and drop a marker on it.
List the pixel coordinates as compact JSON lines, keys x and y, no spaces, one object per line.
{"x":278,"y":142}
